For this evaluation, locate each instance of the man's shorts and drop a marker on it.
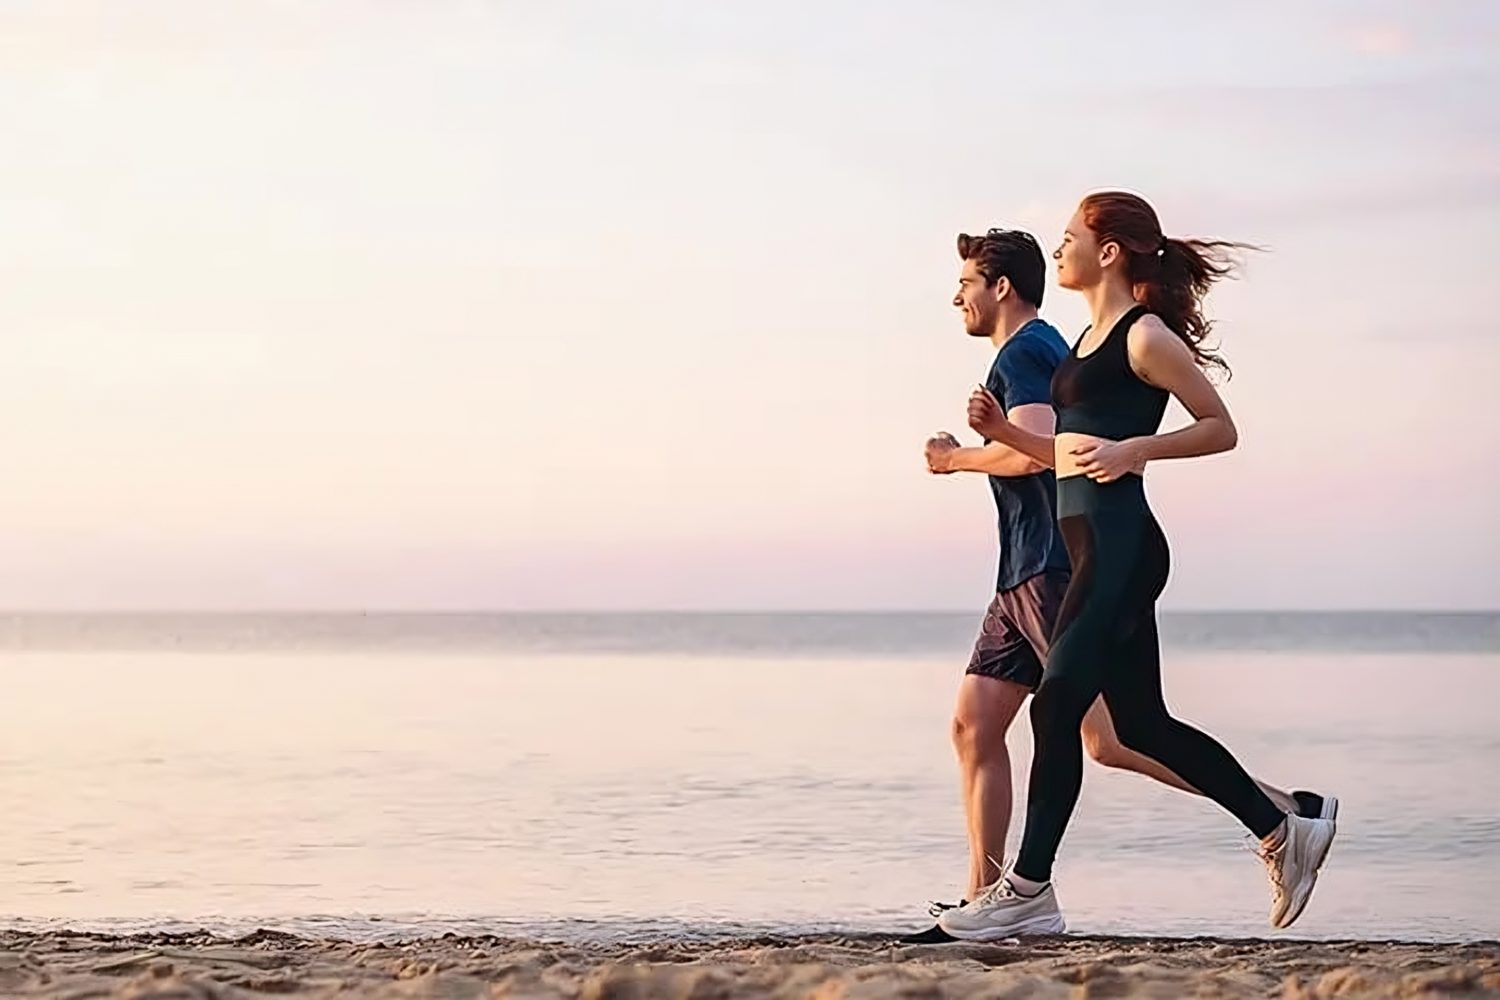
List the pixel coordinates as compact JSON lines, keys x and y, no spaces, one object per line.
{"x":1017,"y":630}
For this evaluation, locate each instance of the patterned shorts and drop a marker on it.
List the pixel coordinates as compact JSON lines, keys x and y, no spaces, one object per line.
{"x":1012,"y":643}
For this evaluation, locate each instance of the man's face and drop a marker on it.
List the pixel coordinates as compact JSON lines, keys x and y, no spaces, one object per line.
{"x":977,"y":300}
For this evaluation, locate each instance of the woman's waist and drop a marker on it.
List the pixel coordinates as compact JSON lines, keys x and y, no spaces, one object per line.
{"x":1079,"y":494}
{"x":1065,"y":463}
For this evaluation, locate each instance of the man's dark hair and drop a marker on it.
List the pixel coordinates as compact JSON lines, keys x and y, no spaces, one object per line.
{"x":1008,"y":253}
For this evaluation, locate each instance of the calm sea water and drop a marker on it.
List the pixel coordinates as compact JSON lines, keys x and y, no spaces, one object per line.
{"x":609,"y":775}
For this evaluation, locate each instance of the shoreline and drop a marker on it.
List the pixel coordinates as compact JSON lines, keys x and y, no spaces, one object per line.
{"x":178,"y":966}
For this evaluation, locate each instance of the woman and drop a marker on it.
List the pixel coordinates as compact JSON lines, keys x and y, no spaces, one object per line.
{"x":1145,"y":344}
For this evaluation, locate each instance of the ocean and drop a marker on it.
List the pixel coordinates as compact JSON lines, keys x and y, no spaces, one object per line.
{"x":606,"y":776}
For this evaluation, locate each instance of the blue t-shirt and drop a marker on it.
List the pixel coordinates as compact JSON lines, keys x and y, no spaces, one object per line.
{"x":1029,"y":540}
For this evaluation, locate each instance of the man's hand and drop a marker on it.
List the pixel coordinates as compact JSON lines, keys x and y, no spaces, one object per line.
{"x":987,"y":416}
{"x":939,"y":452}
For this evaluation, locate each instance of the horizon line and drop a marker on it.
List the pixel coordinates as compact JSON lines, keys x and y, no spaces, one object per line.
{"x":395,"y":612}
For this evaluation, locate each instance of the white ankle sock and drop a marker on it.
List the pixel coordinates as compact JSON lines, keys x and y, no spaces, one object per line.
{"x":1024,"y":886}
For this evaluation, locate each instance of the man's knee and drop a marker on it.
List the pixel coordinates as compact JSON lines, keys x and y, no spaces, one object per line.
{"x":979,"y":732}
{"x":1102,"y":740}
{"x":1105,"y":749}
{"x":986,"y":708}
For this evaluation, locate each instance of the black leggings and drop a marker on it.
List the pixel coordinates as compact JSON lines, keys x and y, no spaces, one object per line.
{"x":1105,"y":643}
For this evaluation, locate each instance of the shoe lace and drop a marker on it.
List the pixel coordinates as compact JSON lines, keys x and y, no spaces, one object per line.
{"x":996,"y":890}
{"x":1272,"y":858}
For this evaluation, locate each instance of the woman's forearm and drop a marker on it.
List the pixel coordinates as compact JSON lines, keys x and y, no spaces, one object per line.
{"x":1206,"y":436}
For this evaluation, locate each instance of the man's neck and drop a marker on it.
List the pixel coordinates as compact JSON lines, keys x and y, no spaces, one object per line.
{"x":1008,"y":324}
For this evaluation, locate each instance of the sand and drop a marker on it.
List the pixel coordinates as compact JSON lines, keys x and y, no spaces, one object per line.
{"x":269,"y":963}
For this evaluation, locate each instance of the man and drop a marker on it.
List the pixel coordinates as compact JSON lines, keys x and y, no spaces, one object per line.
{"x":1000,"y":289}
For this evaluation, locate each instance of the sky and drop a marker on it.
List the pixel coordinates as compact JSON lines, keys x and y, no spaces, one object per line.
{"x":502,"y":305}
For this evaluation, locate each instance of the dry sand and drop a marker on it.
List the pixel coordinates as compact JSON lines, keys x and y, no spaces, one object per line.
{"x":184,"y":966}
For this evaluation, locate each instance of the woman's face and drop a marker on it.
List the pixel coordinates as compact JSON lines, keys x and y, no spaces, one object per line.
{"x":1078,"y":255}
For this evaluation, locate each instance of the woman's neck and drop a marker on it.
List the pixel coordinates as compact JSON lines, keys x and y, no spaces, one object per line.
{"x":1108,"y":301}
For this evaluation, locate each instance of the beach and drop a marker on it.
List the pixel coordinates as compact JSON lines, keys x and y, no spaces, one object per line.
{"x":268,"y":963}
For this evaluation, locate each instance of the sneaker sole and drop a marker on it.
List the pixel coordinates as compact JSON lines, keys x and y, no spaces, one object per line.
{"x":933,"y":935}
{"x":1301,"y":897}
{"x":1036,"y":925}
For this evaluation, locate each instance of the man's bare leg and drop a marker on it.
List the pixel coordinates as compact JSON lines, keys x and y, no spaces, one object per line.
{"x":986,"y":708}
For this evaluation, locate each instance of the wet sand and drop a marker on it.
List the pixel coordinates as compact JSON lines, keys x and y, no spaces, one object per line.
{"x":268,"y":963}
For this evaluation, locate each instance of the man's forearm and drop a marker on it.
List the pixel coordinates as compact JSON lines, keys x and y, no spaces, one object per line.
{"x":994,"y":459}
{"x":1038,"y":447}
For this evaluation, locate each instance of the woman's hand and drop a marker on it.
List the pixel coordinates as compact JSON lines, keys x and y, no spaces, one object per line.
{"x":1106,"y":461}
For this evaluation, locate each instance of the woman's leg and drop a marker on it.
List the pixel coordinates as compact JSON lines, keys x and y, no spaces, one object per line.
{"x":1082,"y":645}
{"x":1103,"y":746}
{"x":1141,"y":719}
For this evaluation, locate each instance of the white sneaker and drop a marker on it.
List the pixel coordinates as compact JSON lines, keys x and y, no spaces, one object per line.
{"x":998,"y":912}
{"x":1293,"y":867}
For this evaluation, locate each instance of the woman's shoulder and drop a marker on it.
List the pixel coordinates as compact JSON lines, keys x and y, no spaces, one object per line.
{"x":1149,"y":333}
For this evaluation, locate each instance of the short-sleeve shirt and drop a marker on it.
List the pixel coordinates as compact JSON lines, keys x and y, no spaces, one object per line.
{"x":1027,"y":505}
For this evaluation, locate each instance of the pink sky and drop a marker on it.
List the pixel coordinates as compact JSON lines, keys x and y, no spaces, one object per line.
{"x":467,"y":306}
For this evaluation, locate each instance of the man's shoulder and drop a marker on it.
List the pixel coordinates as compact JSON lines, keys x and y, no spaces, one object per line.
{"x":1038,"y":342}
{"x":1039,"y":335}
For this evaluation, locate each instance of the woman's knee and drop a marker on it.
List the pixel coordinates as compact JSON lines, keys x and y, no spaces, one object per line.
{"x":1139,"y":729}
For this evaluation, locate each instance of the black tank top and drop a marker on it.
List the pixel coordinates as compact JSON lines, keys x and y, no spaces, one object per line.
{"x":1101,"y":394}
